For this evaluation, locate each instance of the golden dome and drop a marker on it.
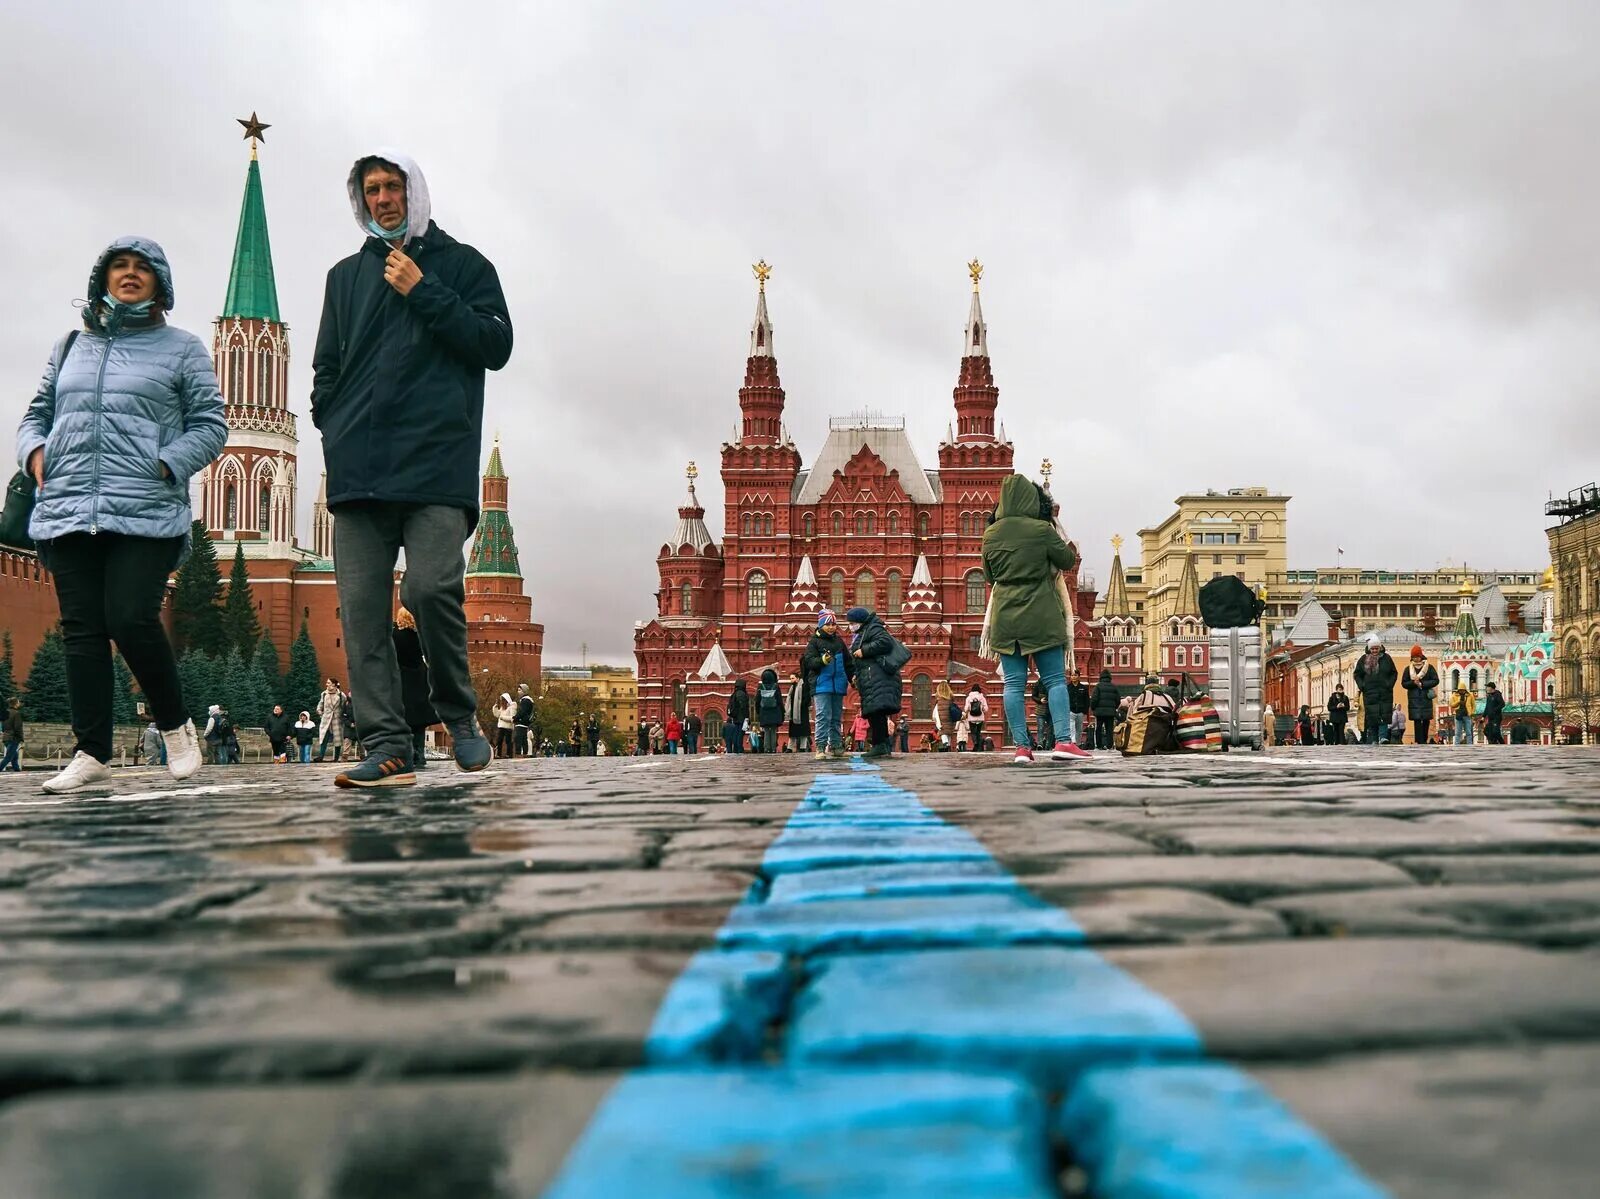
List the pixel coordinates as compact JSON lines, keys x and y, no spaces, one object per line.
{"x":1549,"y":579}
{"x":1466,"y":588}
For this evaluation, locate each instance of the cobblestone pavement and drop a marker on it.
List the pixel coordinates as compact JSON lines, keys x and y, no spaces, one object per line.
{"x":1299,"y":973}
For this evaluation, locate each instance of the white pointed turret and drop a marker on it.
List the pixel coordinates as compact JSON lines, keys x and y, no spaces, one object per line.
{"x":804,"y":598}
{"x":761,"y":328}
{"x":692,"y":529}
{"x":322,"y":522}
{"x":922,"y":598}
{"x":716,"y":665}
{"x":977,"y":343}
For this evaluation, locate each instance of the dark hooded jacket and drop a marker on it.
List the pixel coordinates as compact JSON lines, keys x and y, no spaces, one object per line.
{"x":1103,"y":700}
{"x":1338,"y":707}
{"x":879,"y":686}
{"x":738,"y":704}
{"x":1376,"y":685}
{"x":1419,"y":700}
{"x":397,"y":385}
{"x":769,"y":699}
{"x":834,"y":676}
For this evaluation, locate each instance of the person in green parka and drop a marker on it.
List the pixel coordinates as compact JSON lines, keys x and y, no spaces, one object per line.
{"x":1023,"y":555}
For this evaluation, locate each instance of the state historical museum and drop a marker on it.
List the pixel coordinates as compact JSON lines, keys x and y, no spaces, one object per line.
{"x":865,"y":525}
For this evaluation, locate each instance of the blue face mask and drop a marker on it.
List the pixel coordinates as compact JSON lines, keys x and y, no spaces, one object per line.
{"x":382,"y":234}
{"x":115,"y":305}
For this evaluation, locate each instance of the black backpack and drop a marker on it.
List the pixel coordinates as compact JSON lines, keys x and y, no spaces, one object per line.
{"x":975,"y":708}
{"x":1228,"y":603}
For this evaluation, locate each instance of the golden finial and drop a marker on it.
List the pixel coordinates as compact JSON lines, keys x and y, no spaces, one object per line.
{"x":1116,"y":544}
{"x":1188,"y":539}
{"x":763,"y":273}
{"x":694,"y":472}
{"x":1044,"y":469}
{"x":975,"y":269}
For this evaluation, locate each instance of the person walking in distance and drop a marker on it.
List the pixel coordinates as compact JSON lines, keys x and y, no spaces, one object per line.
{"x":277,"y":728}
{"x":1078,"y":693}
{"x":828,"y":669}
{"x":691,"y":733}
{"x":330,"y":714}
{"x":1375,"y":679}
{"x":1419,"y":678}
{"x":797,"y":711}
{"x":769,"y":709}
{"x":522,"y":722}
{"x":878,"y":660}
{"x":592,"y":733}
{"x":674,"y":733}
{"x":1022,"y":556}
{"x":410,"y":323}
{"x":1461,"y":710}
{"x":1338,"y":714}
{"x":946,"y":716}
{"x":504,"y":713}
{"x":1494,"y":706}
{"x":127,"y":411}
{"x":975,"y":709}
{"x":13,"y":736}
{"x":738,"y":716}
{"x":1103,"y":701}
{"x":305,"y":732}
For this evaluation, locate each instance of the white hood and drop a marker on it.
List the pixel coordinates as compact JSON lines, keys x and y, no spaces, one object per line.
{"x":419,"y":209}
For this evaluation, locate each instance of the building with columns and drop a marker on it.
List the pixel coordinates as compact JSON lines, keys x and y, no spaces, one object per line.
{"x":866,"y":524}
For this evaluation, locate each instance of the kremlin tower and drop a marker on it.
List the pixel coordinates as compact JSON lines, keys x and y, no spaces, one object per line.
{"x":500,"y":628}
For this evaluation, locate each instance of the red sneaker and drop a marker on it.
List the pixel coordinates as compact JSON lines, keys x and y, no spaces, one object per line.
{"x":1024,"y":757}
{"x":1066,"y":751}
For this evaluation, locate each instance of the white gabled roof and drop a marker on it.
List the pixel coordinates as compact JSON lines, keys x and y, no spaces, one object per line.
{"x":890,"y":444}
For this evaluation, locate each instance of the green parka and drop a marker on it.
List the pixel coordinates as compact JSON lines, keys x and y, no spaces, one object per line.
{"x":1020,"y":555}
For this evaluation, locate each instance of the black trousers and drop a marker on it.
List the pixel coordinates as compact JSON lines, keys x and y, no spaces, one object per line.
{"x":110,"y":587}
{"x":1102,"y":731}
{"x":879,"y":724}
{"x":1491,"y":732}
{"x":1422,"y":730}
{"x":1336,"y":732}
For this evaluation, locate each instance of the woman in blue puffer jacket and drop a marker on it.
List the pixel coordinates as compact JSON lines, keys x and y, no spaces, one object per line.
{"x":128,"y":410}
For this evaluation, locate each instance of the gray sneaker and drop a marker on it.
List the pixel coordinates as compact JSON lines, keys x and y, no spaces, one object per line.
{"x":471,"y":748}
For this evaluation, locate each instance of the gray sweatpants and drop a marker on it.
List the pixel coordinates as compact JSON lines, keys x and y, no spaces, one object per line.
{"x":367,"y":540}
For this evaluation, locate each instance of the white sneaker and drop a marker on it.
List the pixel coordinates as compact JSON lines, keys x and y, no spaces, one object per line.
{"x":183,"y":750}
{"x":82,"y":771}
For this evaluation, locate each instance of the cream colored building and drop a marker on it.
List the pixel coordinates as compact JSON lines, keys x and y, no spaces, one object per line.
{"x":1242,"y":531}
{"x":1416,"y":599}
{"x":615,"y":687}
{"x":1575,"y":561}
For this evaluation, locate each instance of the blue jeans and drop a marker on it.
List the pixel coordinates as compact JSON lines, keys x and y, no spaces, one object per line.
{"x":1463,"y":730}
{"x":10,"y":761}
{"x":305,"y":752}
{"x":828,"y":717}
{"x":691,"y":743}
{"x":1052,"y":667}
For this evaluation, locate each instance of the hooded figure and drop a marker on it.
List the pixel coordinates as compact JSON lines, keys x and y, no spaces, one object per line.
{"x":397,"y":386}
{"x":738,"y":716}
{"x":876,"y":654}
{"x":1021,"y":556}
{"x":1103,"y":702}
{"x":1375,"y":678}
{"x":769,"y":709}
{"x":127,"y":414}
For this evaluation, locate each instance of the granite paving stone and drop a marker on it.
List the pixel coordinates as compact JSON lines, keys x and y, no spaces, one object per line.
{"x":820,"y":979}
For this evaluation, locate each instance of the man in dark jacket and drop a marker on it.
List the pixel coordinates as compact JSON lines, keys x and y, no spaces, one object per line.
{"x":879,"y":658}
{"x":1375,"y":678}
{"x":738,"y":713}
{"x":1078,"y":693}
{"x":769,"y":709}
{"x":409,"y":325}
{"x":1103,"y":701}
{"x":277,"y":727}
{"x":522,"y":721}
{"x":691,"y":734}
{"x":1494,"y":706}
{"x":1338,"y":714}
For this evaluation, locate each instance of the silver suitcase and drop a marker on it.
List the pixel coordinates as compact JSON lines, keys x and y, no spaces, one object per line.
{"x":1235,"y":676}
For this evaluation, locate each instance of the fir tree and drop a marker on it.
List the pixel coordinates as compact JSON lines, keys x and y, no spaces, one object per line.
{"x":196,"y":603}
{"x":304,"y":684}
{"x":239,"y":623}
{"x":198,"y":674}
{"x":266,"y":664}
{"x":46,"y":697}
{"x":121,"y":691}
{"x":8,"y":677}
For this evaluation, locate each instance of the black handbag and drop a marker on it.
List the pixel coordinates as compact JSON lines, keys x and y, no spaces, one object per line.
{"x":20,"y":491}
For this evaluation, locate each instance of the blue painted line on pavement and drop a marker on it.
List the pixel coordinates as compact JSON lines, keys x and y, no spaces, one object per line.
{"x":937,"y":985}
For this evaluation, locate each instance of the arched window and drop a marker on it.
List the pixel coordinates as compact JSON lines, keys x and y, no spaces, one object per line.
{"x":894,"y":522}
{"x":1180,"y":656}
{"x":836,"y":593}
{"x":686,"y":600}
{"x":263,"y":378}
{"x":766,"y":524}
{"x":922,"y":524}
{"x":711,"y":722}
{"x":755,"y":592}
{"x":1122,"y":656}
{"x":808,"y":524}
{"x":1455,"y":679}
{"x":891,"y":597}
{"x":264,"y":509}
{"x":861,"y":522}
{"x":864,"y":589}
{"x":838,"y":522}
{"x":977,"y":598}
{"x":1472,"y":679}
{"x":744,"y":524}
{"x":236,"y":382}
{"x":680,"y":699}
{"x":1199,"y":656}
{"x":872,"y":522}
{"x":921,"y":698}
{"x":230,"y":506}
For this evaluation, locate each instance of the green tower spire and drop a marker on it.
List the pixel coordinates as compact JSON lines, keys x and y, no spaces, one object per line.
{"x":494,"y":549}
{"x":252,"y":290}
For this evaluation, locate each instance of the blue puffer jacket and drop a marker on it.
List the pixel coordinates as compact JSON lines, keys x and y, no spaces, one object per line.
{"x":131,"y":395}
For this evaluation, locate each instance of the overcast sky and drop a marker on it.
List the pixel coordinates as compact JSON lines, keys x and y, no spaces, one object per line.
{"x":1348,"y":251}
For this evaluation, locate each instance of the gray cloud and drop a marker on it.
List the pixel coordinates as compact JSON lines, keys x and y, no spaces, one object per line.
{"x":1337,"y":250}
